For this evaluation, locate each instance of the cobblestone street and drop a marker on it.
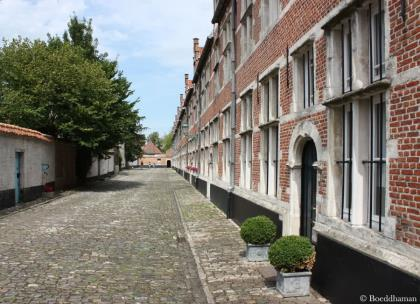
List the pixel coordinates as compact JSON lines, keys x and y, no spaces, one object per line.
{"x":123,"y":241}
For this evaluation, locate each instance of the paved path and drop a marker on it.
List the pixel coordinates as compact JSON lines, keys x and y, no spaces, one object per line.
{"x":122,"y":241}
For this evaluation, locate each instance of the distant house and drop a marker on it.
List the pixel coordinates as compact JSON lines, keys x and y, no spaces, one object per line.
{"x":154,"y":157}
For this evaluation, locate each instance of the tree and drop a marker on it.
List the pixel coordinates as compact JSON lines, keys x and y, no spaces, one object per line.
{"x":155,"y":138}
{"x":167,"y":142}
{"x":56,"y":91}
{"x":80,"y":34}
{"x":66,"y":88}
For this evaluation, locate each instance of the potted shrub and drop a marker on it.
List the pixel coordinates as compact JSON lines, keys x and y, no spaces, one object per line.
{"x":258,"y":232}
{"x":293,"y":257}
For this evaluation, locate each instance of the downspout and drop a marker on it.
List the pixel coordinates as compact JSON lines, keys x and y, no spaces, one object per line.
{"x":199,"y":129}
{"x":233,"y":97}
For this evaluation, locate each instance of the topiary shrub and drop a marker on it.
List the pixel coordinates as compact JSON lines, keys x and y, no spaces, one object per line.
{"x":292,"y":254}
{"x":259,"y":230}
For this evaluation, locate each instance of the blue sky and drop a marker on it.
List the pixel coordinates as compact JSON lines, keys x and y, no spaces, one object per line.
{"x":152,"y":40}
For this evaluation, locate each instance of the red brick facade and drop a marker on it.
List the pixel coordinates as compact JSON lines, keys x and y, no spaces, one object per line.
{"x":300,"y":23}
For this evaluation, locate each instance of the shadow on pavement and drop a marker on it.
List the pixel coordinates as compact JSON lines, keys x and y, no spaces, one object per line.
{"x":110,"y":185}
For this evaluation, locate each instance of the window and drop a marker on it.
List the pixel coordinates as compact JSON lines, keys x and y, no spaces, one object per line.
{"x":215,"y":131}
{"x":246,"y":112}
{"x":226,"y":124}
{"x":377,"y":40}
{"x":269,"y":175}
{"x":376,"y":162}
{"x":245,"y":5}
{"x":305,"y":89}
{"x":226,"y":160}
{"x":246,"y":35}
{"x":270,"y":98}
{"x":215,"y":160}
{"x":270,"y":13}
{"x":346,"y":56}
{"x":346,"y":162}
{"x":227,"y":32}
{"x":227,"y":65}
{"x":217,"y":80}
{"x":246,"y":160}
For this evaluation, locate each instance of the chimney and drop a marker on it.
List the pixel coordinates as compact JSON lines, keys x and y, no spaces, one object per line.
{"x":186,"y":77}
{"x":196,"y":50}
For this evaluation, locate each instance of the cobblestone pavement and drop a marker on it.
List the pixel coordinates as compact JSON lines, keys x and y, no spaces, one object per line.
{"x":115,"y":242}
{"x":123,"y":241}
{"x":216,"y":242}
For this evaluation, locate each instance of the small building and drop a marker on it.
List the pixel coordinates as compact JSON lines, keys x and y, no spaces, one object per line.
{"x":27,"y":161}
{"x":154,"y":157}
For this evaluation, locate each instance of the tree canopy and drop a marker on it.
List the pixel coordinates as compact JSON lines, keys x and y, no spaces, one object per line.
{"x":66,"y":88}
{"x":154,"y":137}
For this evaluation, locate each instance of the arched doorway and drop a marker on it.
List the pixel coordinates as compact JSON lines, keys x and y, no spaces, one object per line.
{"x":308,"y":189}
{"x":168,"y":164}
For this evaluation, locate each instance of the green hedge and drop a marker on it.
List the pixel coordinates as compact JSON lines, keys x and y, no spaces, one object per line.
{"x":259,"y":230}
{"x":292,"y":254}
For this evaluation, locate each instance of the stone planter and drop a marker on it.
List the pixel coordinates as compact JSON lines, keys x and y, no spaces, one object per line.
{"x":257,"y":253}
{"x":294,"y":284}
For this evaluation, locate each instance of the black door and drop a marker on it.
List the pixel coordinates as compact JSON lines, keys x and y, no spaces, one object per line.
{"x":308,"y":203}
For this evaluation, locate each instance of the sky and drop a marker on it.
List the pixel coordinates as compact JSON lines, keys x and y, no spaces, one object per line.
{"x":152,"y":40}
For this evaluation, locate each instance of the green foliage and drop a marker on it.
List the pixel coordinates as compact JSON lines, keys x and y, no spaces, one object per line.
{"x":66,"y":88}
{"x":259,"y":230}
{"x":155,"y":138}
{"x":292,"y":254}
{"x":133,"y":147}
{"x":167,"y":142}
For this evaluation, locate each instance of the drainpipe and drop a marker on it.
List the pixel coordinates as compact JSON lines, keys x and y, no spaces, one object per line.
{"x":199,"y":129}
{"x":232,"y":108}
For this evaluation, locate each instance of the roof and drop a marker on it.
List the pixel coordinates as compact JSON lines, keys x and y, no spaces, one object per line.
{"x":24,"y":132}
{"x":204,"y":54}
{"x":151,"y":149}
{"x":170,"y":153}
{"x":219,"y":11}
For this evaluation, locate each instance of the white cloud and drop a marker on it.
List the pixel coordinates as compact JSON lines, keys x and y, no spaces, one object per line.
{"x":152,"y":29}
{"x":34,"y":19}
{"x":152,"y":39}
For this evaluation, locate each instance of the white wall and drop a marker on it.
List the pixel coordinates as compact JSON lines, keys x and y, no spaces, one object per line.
{"x":105,"y":166}
{"x":35,"y":154}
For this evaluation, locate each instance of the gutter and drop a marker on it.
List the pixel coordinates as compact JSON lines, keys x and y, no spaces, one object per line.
{"x":220,"y":9}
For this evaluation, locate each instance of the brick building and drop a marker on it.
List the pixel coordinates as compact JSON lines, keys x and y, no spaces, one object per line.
{"x":154,"y":157}
{"x":308,"y":112}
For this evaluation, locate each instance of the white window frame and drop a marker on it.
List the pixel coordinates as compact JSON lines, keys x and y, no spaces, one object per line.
{"x":304,"y":90}
{"x":375,"y":65}
{"x":226,"y":124}
{"x":246,"y":160}
{"x":269,"y":161}
{"x":246,"y":112}
{"x":269,"y":14}
{"x":246,"y":36}
{"x":226,"y":160}
{"x":270,"y":98}
{"x":376,"y":157}
{"x":215,"y":161}
{"x":346,"y":45}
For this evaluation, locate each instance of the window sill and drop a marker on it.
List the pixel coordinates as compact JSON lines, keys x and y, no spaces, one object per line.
{"x":247,"y":11}
{"x":245,"y":132}
{"x":268,"y":124}
{"x":227,"y":46}
{"x":372,"y":88}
